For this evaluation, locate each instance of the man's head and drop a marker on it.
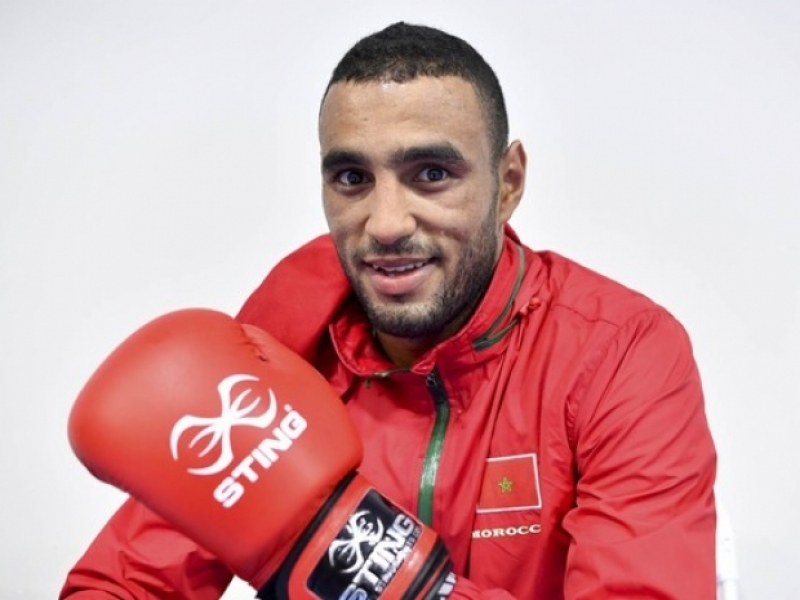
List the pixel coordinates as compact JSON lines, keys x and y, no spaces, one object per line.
{"x":416,"y":185}
{"x":404,"y":52}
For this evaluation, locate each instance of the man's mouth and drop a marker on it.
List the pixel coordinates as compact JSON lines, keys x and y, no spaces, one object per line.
{"x":398,"y":277}
{"x":398,"y":269}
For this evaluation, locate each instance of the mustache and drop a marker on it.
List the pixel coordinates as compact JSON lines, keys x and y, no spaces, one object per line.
{"x":401,"y":247}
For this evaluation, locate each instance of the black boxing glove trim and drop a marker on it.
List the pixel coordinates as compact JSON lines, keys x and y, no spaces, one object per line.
{"x":366,"y":554}
{"x":444,"y":584}
{"x":437,"y":567}
{"x":276,"y":586}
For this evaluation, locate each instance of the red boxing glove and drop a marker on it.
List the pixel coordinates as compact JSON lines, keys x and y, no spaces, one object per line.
{"x":243,"y":446}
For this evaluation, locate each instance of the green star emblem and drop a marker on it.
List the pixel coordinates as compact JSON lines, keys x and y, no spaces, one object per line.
{"x":505,"y":485}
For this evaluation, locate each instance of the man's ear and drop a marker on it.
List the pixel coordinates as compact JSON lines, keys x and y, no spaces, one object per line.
{"x":512,"y":180}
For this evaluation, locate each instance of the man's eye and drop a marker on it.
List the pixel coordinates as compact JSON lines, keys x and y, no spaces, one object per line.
{"x":433,"y":174}
{"x":350,"y":177}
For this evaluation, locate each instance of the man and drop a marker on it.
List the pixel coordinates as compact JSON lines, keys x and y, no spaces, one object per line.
{"x":547,"y":422}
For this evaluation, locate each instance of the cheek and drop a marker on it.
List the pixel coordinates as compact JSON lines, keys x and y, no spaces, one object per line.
{"x":329,"y":207}
{"x":466,"y":222}
{"x":339,"y":219}
{"x":344,"y":237}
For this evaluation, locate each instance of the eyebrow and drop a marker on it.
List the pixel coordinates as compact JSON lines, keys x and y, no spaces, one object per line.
{"x":338,"y":158}
{"x":443,"y":152}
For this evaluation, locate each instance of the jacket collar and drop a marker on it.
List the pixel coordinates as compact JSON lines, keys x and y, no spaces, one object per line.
{"x":481,"y":338}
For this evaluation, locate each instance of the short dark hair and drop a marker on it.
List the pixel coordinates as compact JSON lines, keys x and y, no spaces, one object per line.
{"x":402,"y":52}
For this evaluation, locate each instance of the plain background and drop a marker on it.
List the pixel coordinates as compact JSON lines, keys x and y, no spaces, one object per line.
{"x":159,"y":155}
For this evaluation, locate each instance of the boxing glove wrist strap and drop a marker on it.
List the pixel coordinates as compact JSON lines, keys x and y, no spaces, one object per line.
{"x":360,"y":546}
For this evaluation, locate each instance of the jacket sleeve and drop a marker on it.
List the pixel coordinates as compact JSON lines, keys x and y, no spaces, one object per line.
{"x":643,"y":525}
{"x":138,"y":556}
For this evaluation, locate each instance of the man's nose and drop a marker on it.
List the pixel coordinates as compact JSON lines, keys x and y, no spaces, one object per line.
{"x":390,"y":217}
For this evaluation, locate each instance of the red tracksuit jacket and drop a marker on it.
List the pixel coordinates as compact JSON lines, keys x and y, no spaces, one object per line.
{"x":557,"y":443}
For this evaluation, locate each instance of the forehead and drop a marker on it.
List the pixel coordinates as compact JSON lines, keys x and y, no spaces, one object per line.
{"x":370,"y":116}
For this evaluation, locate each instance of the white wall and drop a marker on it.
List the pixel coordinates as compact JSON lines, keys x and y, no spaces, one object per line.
{"x":161,"y":155}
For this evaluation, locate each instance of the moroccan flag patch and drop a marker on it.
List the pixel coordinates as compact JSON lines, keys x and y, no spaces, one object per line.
{"x":510,"y":483}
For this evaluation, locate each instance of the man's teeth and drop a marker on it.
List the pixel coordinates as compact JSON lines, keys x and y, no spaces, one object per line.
{"x":401,"y":269}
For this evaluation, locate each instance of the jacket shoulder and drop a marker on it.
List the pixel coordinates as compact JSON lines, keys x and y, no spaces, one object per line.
{"x":299,"y":296}
{"x":590,"y":295}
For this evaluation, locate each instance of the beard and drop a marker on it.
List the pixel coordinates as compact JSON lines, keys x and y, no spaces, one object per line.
{"x":451,"y":304}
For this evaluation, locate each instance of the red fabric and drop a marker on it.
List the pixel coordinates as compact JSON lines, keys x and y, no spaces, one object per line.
{"x":595,"y":380}
{"x":137,"y":556}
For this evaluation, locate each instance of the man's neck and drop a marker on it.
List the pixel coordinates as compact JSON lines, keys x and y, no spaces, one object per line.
{"x":403,"y":351}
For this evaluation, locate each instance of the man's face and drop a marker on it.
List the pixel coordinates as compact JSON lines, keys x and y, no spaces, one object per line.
{"x":411,"y":198}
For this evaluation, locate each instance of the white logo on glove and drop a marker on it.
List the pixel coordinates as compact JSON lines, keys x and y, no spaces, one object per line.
{"x":362,"y":528}
{"x":218,"y":429}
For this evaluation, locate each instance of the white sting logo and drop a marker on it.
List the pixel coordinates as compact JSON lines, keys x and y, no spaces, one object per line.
{"x":362,"y":529}
{"x":264,"y":453}
{"x":218,"y":429}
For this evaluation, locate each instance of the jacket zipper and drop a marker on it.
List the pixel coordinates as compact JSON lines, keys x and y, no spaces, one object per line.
{"x":433,"y":454}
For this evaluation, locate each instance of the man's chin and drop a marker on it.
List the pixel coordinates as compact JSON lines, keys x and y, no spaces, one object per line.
{"x":403,"y":321}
